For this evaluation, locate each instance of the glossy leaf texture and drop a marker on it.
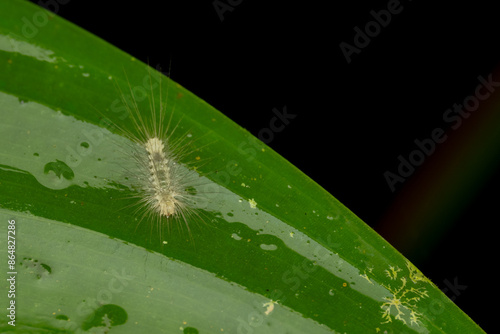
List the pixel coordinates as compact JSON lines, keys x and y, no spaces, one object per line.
{"x":268,"y":250}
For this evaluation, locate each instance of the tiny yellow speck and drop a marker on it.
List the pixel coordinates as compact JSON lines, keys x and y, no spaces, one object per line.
{"x":344,"y":284}
{"x":291,"y":234}
{"x":269,"y":306}
{"x":198,"y":158}
{"x":253,"y":203}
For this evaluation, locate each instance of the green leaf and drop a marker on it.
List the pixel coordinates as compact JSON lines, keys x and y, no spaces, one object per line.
{"x":268,"y":251}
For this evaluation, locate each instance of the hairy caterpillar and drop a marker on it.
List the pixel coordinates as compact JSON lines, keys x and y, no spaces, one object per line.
{"x":168,"y":192}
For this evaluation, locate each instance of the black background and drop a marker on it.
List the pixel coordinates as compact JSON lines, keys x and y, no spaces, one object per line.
{"x":353,"y":120}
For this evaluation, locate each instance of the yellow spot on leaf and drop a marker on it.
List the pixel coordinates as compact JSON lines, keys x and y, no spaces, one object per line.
{"x":270,"y":306}
{"x":253,"y":203}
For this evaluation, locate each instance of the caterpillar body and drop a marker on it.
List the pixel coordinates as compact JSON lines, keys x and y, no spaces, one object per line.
{"x":167,"y":191}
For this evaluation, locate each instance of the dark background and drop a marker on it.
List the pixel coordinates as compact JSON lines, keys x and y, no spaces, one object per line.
{"x":353,"y":120}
